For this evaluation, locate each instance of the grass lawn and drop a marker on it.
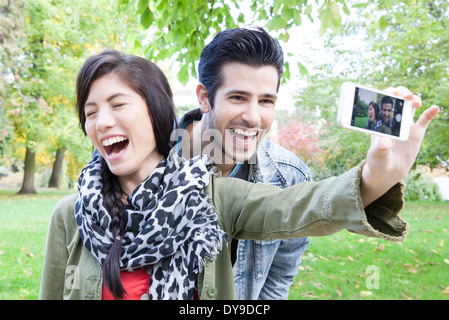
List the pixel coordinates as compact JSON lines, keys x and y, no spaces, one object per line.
{"x":342,"y":266}
{"x":360,"y":122}
{"x":23,"y":230}
{"x":349,"y":266}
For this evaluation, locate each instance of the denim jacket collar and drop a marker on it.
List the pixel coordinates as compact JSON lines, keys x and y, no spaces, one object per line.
{"x":277,"y":166}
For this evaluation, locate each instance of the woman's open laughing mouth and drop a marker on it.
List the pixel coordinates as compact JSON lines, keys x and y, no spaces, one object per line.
{"x":115,"y":146}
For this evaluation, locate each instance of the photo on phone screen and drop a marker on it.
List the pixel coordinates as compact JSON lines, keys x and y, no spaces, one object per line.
{"x":377,"y":112}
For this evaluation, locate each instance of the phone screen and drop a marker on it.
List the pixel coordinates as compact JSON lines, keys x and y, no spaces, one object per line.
{"x":377,"y":112}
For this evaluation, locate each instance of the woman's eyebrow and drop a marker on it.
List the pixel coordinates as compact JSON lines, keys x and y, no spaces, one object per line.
{"x":117,"y":95}
{"x":109,"y":99}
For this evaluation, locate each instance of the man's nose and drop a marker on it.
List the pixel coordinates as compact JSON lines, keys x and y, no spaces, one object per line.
{"x":252,"y":113}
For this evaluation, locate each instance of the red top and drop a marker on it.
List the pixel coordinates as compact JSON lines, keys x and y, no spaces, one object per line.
{"x":136,"y":284}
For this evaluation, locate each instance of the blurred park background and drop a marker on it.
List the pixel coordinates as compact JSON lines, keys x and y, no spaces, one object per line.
{"x":377,"y":43}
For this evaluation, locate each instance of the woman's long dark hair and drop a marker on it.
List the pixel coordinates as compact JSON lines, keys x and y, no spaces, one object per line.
{"x":146,"y":79}
{"x":376,"y":109}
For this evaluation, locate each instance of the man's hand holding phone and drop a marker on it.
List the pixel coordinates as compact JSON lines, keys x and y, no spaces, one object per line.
{"x":390,"y":160}
{"x":391,"y":157}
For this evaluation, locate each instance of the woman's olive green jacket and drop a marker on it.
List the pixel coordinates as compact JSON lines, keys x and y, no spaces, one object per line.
{"x":245,"y":211}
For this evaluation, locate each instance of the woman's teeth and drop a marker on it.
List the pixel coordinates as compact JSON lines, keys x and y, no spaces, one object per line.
{"x":114,"y":146}
{"x":111,"y":141}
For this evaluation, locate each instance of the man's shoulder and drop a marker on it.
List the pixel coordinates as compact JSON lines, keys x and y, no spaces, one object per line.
{"x":275,"y":159}
{"x":278,"y":153}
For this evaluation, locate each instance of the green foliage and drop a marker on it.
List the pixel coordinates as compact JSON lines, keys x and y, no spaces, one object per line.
{"x":38,"y":103}
{"x":420,"y":187}
{"x":344,"y":150}
{"x":11,"y":31}
{"x":43,"y":43}
{"x":416,"y":55}
{"x":341,"y":149}
{"x":383,"y":44}
{"x":179,"y":29}
{"x":410,"y":49}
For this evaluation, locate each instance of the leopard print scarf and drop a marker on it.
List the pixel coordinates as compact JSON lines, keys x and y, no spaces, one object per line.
{"x":171,"y":227}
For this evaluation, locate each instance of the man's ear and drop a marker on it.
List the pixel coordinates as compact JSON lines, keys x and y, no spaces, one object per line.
{"x":203,"y":98}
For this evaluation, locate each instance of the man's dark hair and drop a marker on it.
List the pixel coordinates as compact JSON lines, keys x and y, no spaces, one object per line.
{"x":251,"y":45}
{"x":386,"y":100}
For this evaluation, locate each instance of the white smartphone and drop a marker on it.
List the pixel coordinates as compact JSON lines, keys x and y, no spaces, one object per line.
{"x":374,"y":112}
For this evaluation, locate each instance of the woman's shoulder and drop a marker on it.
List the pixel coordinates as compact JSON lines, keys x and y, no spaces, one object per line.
{"x":67,"y":202}
{"x":65,"y":208}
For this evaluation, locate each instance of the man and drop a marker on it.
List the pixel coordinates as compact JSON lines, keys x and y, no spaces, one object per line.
{"x":386,"y":109}
{"x":240,"y":73}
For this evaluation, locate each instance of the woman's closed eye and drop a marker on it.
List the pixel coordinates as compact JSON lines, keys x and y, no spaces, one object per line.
{"x":89,"y":113}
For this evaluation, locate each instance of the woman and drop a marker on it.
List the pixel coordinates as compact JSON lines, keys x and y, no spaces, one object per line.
{"x":373,"y":122}
{"x":142,"y":224}
{"x":117,"y":202}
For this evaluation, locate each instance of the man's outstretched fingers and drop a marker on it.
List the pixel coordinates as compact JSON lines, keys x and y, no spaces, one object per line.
{"x":427,"y":116}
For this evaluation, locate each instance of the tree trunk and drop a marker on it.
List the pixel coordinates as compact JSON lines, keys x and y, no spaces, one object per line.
{"x":28,"y":174}
{"x":57,"y":169}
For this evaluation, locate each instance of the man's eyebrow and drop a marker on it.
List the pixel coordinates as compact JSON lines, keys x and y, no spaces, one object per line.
{"x":270,"y":96}
{"x":109,"y":99}
{"x":235,"y":91}
{"x":245,"y":93}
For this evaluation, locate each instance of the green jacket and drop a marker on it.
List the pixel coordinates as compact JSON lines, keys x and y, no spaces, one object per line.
{"x":245,"y":211}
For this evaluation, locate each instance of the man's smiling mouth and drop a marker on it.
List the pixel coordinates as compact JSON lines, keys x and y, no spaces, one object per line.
{"x":244,"y":135}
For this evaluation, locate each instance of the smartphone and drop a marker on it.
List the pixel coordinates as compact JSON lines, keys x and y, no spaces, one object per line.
{"x":374,"y":112}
